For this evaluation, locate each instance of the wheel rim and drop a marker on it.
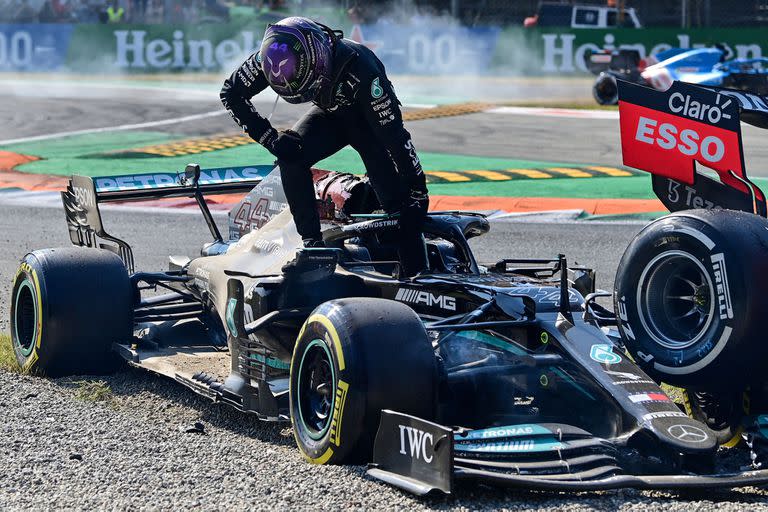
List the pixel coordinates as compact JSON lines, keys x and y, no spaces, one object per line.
{"x":25,"y":318}
{"x":676,"y":300}
{"x":316,"y":389}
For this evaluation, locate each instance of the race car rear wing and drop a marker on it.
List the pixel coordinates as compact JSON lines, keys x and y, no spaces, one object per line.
{"x":668,"y":133}
{"x":84,"y":194}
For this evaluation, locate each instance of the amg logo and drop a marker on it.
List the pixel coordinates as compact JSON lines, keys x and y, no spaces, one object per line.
{"x":418,"y":442}
{"x":426,"y":298}
{"x":721,"y":283}
{"x":84,"y":197}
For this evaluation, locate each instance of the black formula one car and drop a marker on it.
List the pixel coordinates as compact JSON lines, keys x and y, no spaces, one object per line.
{"x":510,"y":373}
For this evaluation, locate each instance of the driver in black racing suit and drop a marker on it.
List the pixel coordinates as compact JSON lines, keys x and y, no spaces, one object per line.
{"x":354,"y":104}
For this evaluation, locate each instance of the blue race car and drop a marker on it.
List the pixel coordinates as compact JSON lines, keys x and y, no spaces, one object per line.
{"x":703,"y":66}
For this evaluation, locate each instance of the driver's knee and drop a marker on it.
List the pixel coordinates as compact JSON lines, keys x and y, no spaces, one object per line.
{"x":292,"y":166}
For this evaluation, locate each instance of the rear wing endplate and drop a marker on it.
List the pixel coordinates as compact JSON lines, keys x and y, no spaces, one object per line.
{"x":667,"y":133}
{"x":84,"y":194}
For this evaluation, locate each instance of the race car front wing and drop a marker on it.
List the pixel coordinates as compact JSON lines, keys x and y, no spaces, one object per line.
{"x":421,"y":457}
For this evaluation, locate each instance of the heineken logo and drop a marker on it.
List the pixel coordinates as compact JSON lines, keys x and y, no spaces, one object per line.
{"x":135,"y":49}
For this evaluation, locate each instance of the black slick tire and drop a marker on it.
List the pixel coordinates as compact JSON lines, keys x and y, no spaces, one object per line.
{"x":723,"y":413}
{"x":690,"y":299}
{"x":605,"y":90}
{"x":68,"y":306}
{"x":353,"y":358}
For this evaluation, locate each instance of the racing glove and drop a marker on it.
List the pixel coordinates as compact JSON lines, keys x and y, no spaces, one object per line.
{"x":287,"y":145}
{"x":284,"y":145}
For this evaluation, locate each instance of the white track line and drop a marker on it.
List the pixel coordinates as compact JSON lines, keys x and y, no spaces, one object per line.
{"x":556,"y":112}
{"x":65,"y":88}
{"x":122,"y":127}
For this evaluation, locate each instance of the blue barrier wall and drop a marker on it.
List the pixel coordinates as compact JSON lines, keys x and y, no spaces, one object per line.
{"x":34,"y":47}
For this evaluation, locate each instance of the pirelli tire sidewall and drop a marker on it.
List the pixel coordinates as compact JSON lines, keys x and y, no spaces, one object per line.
{"x":382,"y":359}
{"x":732,"y":249}
{"x":68,"y":306}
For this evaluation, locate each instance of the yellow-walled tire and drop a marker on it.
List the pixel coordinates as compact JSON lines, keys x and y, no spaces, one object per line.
{"x":353,"y":358}
{"x":722,"y":412}
{"x":68,"y":306}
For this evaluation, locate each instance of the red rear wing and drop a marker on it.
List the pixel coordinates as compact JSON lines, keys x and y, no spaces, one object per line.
{"x":667,"y":133}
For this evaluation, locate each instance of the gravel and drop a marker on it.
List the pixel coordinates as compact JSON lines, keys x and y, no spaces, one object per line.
{"x":129,"y":452}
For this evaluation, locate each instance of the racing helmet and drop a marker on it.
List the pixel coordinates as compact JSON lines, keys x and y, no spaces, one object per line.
{"x":295,"y":57}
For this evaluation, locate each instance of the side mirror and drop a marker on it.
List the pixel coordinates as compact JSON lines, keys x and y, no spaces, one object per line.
{"x":191,"y":175}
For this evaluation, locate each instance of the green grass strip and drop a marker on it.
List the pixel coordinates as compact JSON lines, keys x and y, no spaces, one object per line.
{"x":7,"y":357}
{"x":64,"y":157}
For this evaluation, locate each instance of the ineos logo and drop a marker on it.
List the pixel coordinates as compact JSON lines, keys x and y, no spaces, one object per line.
{"x":688,"y":433}
{"x":418,"y":441}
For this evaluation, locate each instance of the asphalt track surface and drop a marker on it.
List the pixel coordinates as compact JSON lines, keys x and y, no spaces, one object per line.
{"x":123,"y":443}
{"x":31,"y":108}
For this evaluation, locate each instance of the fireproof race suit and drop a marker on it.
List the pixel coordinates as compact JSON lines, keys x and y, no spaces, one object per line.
{"x":358,"y":108}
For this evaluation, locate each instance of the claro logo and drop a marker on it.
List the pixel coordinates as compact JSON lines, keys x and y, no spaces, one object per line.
{"x":687,"y":141}
{"x":683,"y":104}
{"x":420,"y":445}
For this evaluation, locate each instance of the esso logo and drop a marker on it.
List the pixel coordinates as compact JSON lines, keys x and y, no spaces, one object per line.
{"x":687,"y":141}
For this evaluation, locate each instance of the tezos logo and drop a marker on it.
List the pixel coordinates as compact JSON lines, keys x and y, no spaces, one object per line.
{"x":421,"y":445}
{"x":426,"y":298}
{"x":376,"y":90}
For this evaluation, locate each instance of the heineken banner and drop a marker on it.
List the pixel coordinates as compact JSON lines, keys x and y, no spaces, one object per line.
{"x":33,"y":47}
{"x":420,"y":49}
{"x":566,"y":51}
